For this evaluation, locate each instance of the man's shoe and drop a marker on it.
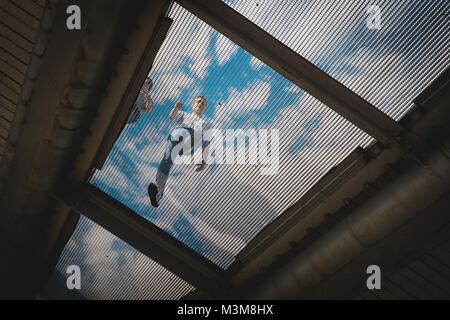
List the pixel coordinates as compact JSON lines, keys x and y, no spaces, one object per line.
{"x":152,"y":192}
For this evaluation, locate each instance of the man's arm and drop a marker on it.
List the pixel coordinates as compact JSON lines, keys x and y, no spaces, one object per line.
{"x":174,"y":111}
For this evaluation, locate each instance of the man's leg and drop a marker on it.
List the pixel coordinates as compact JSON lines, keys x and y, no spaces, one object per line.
{"x":156,"y":189}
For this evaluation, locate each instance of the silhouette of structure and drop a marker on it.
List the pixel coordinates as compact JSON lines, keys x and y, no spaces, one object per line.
{"x":63,"y":105}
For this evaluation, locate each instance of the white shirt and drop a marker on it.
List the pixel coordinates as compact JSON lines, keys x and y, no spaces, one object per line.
{"x":190,"y":120}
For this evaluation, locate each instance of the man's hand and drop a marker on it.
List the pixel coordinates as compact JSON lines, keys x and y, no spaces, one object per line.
{"x":178,"y":105}
{"x":199,"y":167}
{"x":148,"y":103}
{"x":174,"y":111}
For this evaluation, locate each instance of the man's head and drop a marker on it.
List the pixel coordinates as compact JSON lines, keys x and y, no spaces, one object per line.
{"x":199,"y":105}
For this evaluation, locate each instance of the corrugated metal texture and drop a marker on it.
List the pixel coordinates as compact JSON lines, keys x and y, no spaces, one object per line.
{"x":388,"y":66}
{"x":217,"y":212}
{"x":19,"y":23}
{"x":111,"y":269}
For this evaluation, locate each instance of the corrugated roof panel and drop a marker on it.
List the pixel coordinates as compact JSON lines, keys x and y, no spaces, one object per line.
{"x":218,"y":211}
{"x":385,"y":51}
{"x":111,"y":269}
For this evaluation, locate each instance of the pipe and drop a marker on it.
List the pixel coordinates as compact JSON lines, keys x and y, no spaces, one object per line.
{"x":398,"y":202}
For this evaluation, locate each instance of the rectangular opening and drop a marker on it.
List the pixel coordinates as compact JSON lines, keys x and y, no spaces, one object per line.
{"x":221,"y":209}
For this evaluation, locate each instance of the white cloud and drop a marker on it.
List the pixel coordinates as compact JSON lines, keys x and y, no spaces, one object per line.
{"x":171,"y":86}
{"x":225,"y":49}
{"x":189,"y":48}
{"x":113,"y":171}
{"x":293,"y":88}
{"x":220,"y":203}
{"x":253,"y":97}
{"x":116,"y":269}
{"x":212,"y":238}
{"x":255,"y":63}
{"x":299,"y":171}
{"x":188,"y":37}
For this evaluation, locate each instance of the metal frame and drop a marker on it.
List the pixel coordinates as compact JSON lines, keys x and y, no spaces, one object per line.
{"x":146,"y":237}
{"x":159,"y":245}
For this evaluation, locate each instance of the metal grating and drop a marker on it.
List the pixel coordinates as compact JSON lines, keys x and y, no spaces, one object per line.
{"x":387,"y":64}
{"x":19,"y":23}
{"x":111,"y":269}
{"x":220,"y":210}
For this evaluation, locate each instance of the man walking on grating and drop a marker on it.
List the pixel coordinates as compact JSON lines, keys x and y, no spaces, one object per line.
{"x":188,"y":127}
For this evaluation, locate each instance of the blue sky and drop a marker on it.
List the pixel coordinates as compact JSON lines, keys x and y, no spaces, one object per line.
{"x":244,"y":93}
{"x":220,"y":210}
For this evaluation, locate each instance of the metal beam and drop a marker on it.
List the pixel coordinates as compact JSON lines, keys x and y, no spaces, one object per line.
{"x":128,"y":99}
{"x":147,"y":238}
{"x":133,"y":66}
{"x":297,"y":69}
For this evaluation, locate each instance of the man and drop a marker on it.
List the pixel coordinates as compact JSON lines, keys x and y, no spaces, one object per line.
{"x":143,"y":102}
{"x":190,"y":123}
